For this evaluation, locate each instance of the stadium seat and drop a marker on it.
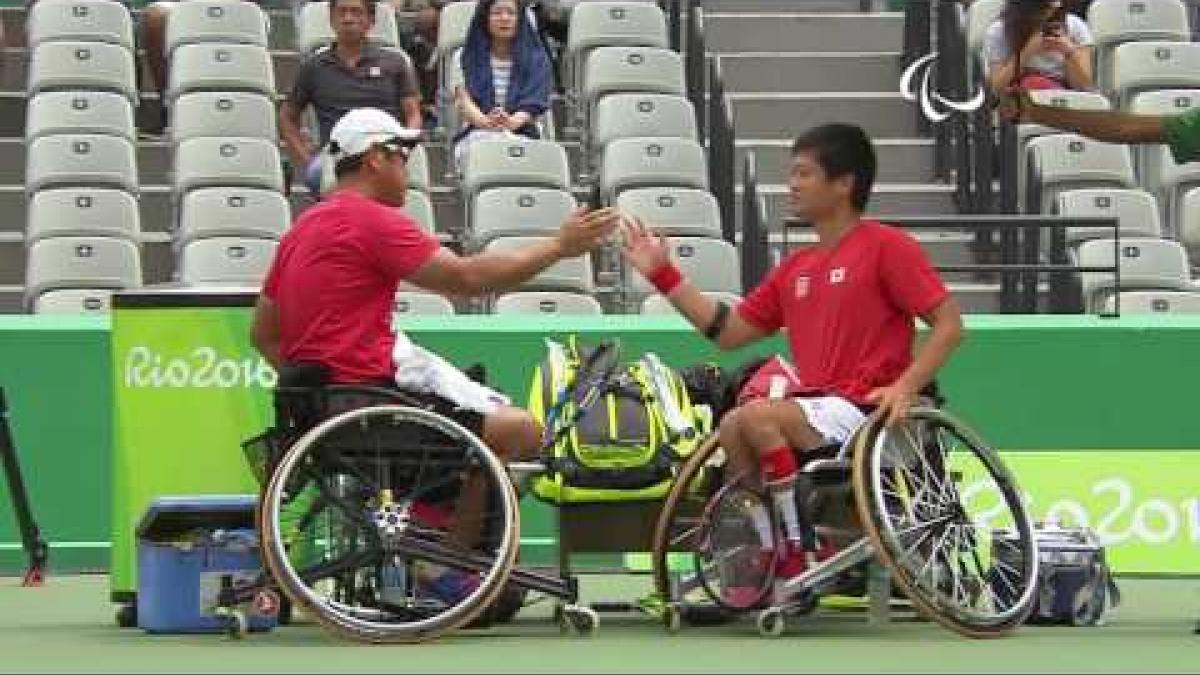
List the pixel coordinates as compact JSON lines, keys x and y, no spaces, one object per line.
{"x":1148,"y":157}
{"x":658,"y":304}
{"x":510,"y":163}
{"x":1188,"y":222}
{"x":640,"y":115}
{"x":74,"y":301}
{"x":314,"y":31}
{"x":1151,"y":65}
{"x":611,"y":24}
{"x":1136,"y":210}
{"x":410,"y":303}
{"x":1146,"y":264}
{"x":1115,"y":22}
{"x":711,"y":265}
{"x":238,"y":114}
{"x":82,"y":212}
{"x":74,"y":160}
{"x":214,"y":66}
{"x":56,"y":263}
{"x":79,"y":112}
{"x":1059,"y":98}
{"x":79,"y":21}
{"x":630,"y":163}
{"x":547,"y":302}
{"x":571,"y":274}
{"x":232,"y":212}
{"x":419,"y":207}
{"x":227,"y":162}
{"x":1173,"y":181}
{"x":1068,"y":162}
{"x":91,"y":66}
{"x":617,"y":70}
{"x":226,"y":261}
{"x":980,"y":16}
{"x":216,"y":21}
{"x":516,"y":211}
{"x":1154,"y":302}
{"x":453,"y":23}
{"x":674,"y":211}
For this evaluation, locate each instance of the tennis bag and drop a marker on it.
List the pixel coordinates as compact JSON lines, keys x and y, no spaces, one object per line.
{"x":1075,"y":585}
{"x":613,"y":431}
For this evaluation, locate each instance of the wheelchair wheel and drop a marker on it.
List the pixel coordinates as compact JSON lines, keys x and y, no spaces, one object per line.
{"x":389,"y":524}
{"x":945,"y":516}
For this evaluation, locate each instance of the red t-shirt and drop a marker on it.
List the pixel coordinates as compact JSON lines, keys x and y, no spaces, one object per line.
{"x":334,"y":279}
{"x":849,"y":309}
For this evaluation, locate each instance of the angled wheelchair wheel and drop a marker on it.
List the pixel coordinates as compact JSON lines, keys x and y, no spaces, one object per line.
{"x":945,"y":516}
{"x":389,"y":524}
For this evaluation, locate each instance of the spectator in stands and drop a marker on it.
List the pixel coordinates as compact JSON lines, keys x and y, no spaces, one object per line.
{"x":1180,"y":132}
{"x":327,"y":298}
{"x":507,"y":75}
{"x":154,"y":41}
{"x":350,"y":73}
{"x":1036,"y":44}
{"x":848,"y":305}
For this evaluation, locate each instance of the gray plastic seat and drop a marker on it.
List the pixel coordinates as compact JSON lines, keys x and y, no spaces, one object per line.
{"x":56,"y":263}
{"x":314,"y":30}
{"x":1148,"y":157}
{"x":79,"y":21}
{"x":232,"y":212}
{"x":612,"y":24}
{"x":93,"y":66}
{"x":1115,"y":22}
{"x":227,"y":162}
{"x":675,"y":212}
{"x":420,"y":303}
{"x":1155,"y":302}
{"x":1146,"y":264}
{"x":640,"y":115}
{"x":238,"y":114}
{"x":1136,"y":210}
{"x":74,"y":160}
{"x":516,"y":211}
{"x":657,"y":304}
{"x":79,"y":112}
{"x":1069,"y":162}
{"x":616,"y":70}
{"x":74,"y":301}
{"x":226,"y":261}
{"x":547,"y":302}
{"x":630,"y":163}
{"x":1150,"y":65}
{"x":1058,"y":98}
{"x":571,"y":274}
{"x":83,"y":212}
{"x":712,"y":265}
{"x":215,"y":66}
{"x":1187,"y":222}
{"x":420,"y":208}
{"x":507,"y":163}
{"x":215,"y":21}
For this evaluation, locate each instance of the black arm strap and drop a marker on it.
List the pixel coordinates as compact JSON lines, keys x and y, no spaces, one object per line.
{"x":714,"y":330}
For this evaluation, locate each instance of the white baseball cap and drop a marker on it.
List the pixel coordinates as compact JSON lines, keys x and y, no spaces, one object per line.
{"x":362,"y":128}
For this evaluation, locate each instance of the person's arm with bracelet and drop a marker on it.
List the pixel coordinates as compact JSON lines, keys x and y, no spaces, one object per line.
{"x":716,"y":320}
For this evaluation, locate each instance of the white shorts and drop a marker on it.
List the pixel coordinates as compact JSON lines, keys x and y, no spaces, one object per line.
{"x":833,"y":417}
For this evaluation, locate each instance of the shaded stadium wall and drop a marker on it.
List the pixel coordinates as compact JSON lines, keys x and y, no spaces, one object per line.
{"x":1040,"y":388}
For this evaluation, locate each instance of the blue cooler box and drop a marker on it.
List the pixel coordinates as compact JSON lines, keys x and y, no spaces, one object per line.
{"x":188,"y":548}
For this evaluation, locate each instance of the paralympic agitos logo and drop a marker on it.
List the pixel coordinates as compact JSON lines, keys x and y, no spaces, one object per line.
{"x":934,"y":106}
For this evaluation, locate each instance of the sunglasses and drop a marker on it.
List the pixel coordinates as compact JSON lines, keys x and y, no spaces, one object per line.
{"x":398,"y":146}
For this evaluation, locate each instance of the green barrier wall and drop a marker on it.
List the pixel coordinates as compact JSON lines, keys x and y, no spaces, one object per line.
{"x":1040,"y":388}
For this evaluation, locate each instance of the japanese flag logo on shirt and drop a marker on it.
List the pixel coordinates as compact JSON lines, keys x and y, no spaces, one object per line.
{"x":837,"y":275}
{"x":802,"y":286}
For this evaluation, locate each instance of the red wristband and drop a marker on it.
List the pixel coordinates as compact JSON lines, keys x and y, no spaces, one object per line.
{"x":666,"y":278}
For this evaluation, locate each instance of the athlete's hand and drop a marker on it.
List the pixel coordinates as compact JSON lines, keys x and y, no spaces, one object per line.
{"x":584,"y":230}
{"x":647,"y":251}
{"x":894,"y":401}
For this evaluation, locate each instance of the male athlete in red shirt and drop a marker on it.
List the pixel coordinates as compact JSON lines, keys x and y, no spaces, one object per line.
{"x":848,"y":304}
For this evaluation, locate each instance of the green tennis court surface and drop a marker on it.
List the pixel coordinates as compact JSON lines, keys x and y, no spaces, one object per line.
{"x":67,"y":626}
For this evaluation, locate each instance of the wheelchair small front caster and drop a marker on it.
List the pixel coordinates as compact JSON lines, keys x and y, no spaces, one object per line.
{"x":236,"y":623}
{"x":672,"y":617}
{"x":771,"y":622}
{"x":577,"y":619}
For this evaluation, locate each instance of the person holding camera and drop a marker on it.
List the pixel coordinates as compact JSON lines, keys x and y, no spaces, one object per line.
{"x":1037,"y":44}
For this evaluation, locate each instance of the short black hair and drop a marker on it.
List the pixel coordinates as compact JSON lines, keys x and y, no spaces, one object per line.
{"x":841,"y":150}
{"x":348,"y":165}
{"x":370,"y":5}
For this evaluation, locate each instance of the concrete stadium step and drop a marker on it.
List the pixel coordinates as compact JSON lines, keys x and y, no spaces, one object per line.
{"x":904,"y":160}
{"x":793,"y":31}
{"x":810,"y":71}
{"x":807,"y":6}
{"x":897,"y":199}
{"x":12,"y":299}
{"x":783,"y":115}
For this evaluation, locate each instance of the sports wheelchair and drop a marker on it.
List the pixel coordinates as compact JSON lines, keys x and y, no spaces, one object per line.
{"x":926,"y":502}
{"x":387,"y":522}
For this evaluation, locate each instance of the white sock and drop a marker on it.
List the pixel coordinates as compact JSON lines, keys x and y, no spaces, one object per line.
{"x":785,"y":505}
{"x":762,"y":525}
